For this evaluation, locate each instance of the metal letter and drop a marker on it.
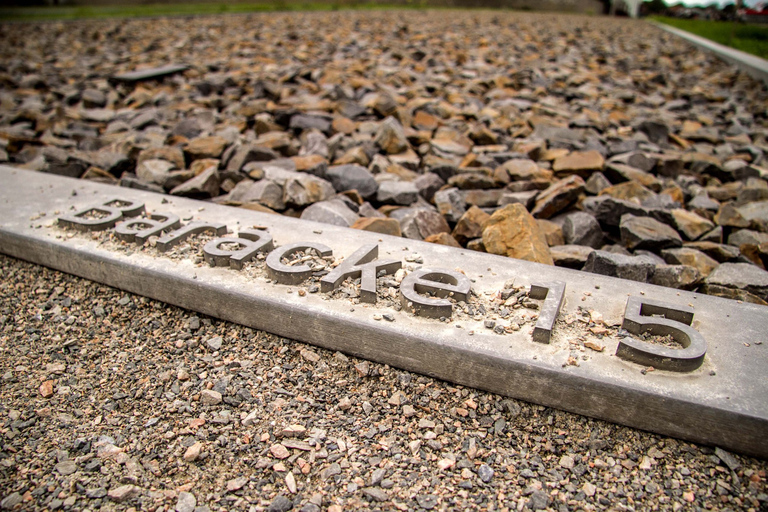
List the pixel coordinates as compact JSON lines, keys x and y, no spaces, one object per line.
{"x":250,"y":243}
{"x":441,"y":283}
{"x":676,"y":323}
{"x":552,"y":293}
{"x":286,"y":274}
{"x":360,"y":264}
{"x":139,"y":230}
{"x":112,"y":211}
{"x":181,"y":234}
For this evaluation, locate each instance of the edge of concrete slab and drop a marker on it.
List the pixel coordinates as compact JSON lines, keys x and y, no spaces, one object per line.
{"x":754,"y":66}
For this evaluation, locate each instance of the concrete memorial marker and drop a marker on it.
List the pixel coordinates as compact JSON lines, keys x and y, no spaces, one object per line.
{"x":677,"y":363}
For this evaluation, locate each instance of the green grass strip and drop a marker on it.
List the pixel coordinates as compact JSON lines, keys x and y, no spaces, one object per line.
{"x":749,"y":38}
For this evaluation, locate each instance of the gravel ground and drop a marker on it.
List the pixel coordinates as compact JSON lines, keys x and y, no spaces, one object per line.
{"x":116,"y":402}
{"x":594,"y":143}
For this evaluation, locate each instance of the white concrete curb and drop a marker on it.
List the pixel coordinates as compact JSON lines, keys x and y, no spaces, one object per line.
{"x":754,"y":66}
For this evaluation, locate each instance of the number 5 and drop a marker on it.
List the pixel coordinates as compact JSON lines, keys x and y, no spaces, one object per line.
{"x":676,"y":322}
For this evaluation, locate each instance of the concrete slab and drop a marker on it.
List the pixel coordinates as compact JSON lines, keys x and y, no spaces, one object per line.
{"x":490,"y":337}
{"x":753,"y":65}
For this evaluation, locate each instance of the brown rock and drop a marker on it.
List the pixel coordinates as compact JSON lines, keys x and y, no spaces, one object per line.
{"x":205,"y":147}
{"x":313,"y":164}
{"x":391,"y":137}
{"x":343,"y":125}
{"x":570,"y":256}
{"x":472,"y":180}
{"x":483,"y":198}
{"x":582,"y":163}
{"x":558,"y":196}
{"x":512,"y":231}
{"x":168,"y":153}
{"x":193,"y":452}
{"x":552,"y":232}
{"x":690,"y":224}
{"x":381,"y":225}
{"x":690,"y":257}
{"x":425,"y":121}
{"x":452,"y":142}
{"x":628,"y":191}
{"x":199,"y":166}
{"x":442,"y":239}
{"x":728,"y":215}
{"x":731,"y":293}
{"x":521,"y":169}
{"x":470,"y":225}
{"x":46,"y":389}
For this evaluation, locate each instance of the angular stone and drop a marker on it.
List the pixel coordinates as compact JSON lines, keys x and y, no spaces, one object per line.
{"x":618,"y":173}
{"x":352,"y":177}
{"x":442,"y":239}
{"x":716,"y":251}
{"x":304,"y":189}
{"x":634,"y":268}
{"x":428,"y":184}
{"x":450,"y":204}
{"x":470,"y":225}
{"x":520,"y":169}
{"x":512,"y":231}
{"x":681,"y":277}
{"x":552,"y":231}
{"x":729,"y":216}
{"x":334,"y":211}
{"x":124,"y":493}
{"x":527,"y":198}
{"x":743,"y":276}
{"x":384,"y":226}
{"x":609,"y":211}
{"x":248,"y":153}
{"x":472,"y":180}
{"x":210,"y":397}
{"x":168,"y":153}
{"x":596,"y":183}
{"x":397,"y":192}
{"x":204,"y":185}
{"x":691,"y":225}
{"x":422,"y":223}
{"x":264,"y":192}
{"x":391,"y":137}
{"x":647,"y":233}
{"x":558,"y":196}
{"x":310,"y":122}
{"x":205,"y":147}
{"x":731,"y":293}
{"x":656,"y":131}
{"x":582,"y":163}
{"x":629,"y":191}
{"x":580,"y":228}
{"x":570,"y":256}
{"x":690,"y":257}
{"x":747,"y":236}
{"x":482,"y":198}
{"x":756,"y":213}
{"x":154,"y":171}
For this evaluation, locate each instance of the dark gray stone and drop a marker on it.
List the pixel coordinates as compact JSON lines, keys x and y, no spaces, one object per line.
{"x":656,"y":131}
{"x":682,"y":277}
{"x":428,"y":184}
{"x":618,"y":265}
{"x":580,"y":228}
{"x":280,"y":504}
{"x":743,"y":276}
{"x":330,"y":212}
{"x":249,"y":153}
{"x":397,"y":192}
{"x":311,"y":122}
{"x":647,"y":233}
{"x":422,"y":223}
{"x":450,"y":203}
{"x":596,"y":183}
{"x":352,"y":177}
{"x":608,"y":210}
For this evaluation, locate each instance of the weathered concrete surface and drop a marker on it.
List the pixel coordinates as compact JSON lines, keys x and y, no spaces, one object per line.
{"x":722,"y":402}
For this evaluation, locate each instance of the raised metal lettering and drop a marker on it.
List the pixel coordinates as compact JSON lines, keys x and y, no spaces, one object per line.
{"x":250,"y":242}
{"x":139,"y":230}
{"x":676,"y":323}
{"x":193,"y":228}
{"x":441,"y":283}
{"x":111,"y":212}
{"x":360,"y":264}
{"x":286,"y":274}
{"x":552,"y":293}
